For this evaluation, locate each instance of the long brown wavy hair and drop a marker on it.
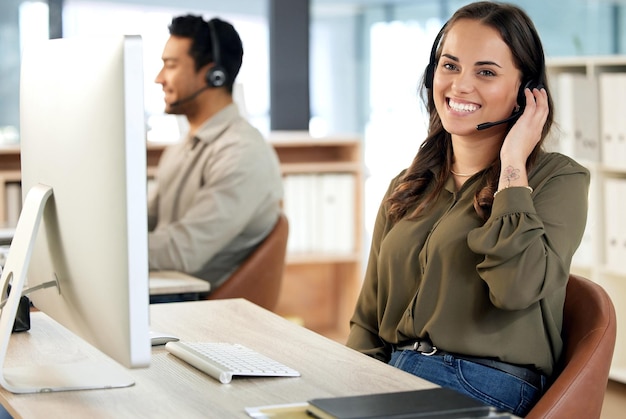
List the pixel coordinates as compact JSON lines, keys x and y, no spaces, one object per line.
{"x":434,"y":157}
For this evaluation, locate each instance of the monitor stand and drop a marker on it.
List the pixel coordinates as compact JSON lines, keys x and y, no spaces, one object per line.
{"x":86,"y":375}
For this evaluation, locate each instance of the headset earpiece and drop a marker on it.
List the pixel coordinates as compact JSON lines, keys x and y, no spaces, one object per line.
{"x":533,"y":83}
{"x":216,"y":76}
{"x":521,"y":96}
{"x":429,"y":73}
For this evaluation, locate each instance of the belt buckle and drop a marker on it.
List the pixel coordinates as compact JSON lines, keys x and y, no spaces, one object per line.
{"x":416,"y":346}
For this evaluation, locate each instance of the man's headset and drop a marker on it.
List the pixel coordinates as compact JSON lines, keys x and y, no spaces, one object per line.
{"x":521,"y":96}
{"x":216,"y":76}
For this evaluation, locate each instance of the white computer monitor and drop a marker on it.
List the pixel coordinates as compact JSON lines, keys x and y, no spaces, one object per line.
{"x":83,"y":227}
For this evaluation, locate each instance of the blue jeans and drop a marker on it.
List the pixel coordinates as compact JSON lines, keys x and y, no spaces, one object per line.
{"x":485,"y":384}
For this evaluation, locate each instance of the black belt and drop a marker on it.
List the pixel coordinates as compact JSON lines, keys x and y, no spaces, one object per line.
{"x":426,"y":348}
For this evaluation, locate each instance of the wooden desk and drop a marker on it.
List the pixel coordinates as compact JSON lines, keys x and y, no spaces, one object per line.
{"x":170,"y":388}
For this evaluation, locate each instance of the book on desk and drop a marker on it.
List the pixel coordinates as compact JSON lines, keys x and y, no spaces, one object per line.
{"x":440,"y":403}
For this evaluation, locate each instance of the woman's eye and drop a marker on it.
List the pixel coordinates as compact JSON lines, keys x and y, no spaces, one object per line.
{"x":486,"y":73}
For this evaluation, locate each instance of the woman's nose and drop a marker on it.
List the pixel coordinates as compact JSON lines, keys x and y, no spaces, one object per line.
{"x":463,"y":82}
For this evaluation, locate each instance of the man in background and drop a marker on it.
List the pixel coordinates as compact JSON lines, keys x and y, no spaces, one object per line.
{"x":217,"y":193}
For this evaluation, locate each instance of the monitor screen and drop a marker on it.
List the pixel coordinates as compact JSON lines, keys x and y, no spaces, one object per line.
{"x":83,"y":156}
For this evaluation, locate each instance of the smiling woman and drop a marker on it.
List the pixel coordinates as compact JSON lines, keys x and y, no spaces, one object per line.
{"x":476,"y":317}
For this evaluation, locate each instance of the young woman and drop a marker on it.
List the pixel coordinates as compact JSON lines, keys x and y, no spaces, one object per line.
{"x":473,"y":242}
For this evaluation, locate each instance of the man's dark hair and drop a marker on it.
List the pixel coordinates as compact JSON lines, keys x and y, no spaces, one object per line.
{"x":201,"y":50}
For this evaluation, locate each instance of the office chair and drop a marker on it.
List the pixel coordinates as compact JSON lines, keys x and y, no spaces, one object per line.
{"x":259,"y":278}
{"x":589,"y":332}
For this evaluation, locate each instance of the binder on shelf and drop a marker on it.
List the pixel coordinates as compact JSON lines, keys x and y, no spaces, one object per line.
{"x":297,"y":209}
{"x":577,"y":115}
{"x":336,"y":212}
{"x":615,"y":224}
{"x":327,"y":207}
{"x":612,"y":125}
{"x":621,"y":121}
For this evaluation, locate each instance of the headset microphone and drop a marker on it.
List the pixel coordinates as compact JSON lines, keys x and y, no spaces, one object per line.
{"x":188,"y":98}
{"x":486,"y":125}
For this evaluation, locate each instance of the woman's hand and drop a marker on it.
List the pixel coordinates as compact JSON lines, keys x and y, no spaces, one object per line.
{"x":526,"y":132}
{"x":522,"y":139}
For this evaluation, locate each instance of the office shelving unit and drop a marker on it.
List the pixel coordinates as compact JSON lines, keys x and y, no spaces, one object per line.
{"x":596,"y":258}
{"x":320,"y":287}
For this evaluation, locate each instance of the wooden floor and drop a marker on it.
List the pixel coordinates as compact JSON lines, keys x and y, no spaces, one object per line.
{"x":614,"y":401}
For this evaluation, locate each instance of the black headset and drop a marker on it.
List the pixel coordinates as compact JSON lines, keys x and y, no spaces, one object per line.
{"x":432,"y":66}
{"x":216,"y":76}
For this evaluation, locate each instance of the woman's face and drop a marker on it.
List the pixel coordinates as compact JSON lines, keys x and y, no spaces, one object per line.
{"x":476,"y":79}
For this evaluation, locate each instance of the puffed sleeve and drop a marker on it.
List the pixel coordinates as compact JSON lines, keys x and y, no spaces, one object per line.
{"x":529,"y":239}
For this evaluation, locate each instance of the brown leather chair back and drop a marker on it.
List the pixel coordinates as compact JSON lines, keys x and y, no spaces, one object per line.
{"x":259,"y":277}
{"x":589,"y":332}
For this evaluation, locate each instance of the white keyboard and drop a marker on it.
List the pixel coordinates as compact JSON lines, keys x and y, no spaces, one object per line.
{"x":222,"y":361}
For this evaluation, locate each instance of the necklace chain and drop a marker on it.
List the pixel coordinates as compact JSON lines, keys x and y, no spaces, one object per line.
{"x":461,"y":174}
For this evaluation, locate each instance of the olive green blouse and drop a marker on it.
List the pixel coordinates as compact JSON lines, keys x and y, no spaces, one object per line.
{"x":488,"y":289}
